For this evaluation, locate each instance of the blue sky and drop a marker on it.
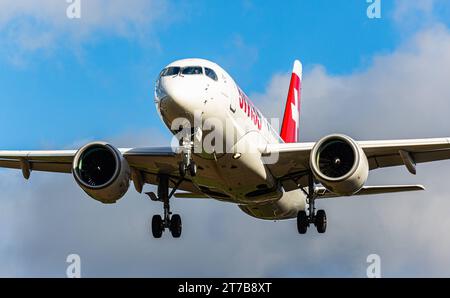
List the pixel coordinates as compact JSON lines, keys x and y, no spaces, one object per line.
{"x":102,"y":85}
{"x":65,"y":82}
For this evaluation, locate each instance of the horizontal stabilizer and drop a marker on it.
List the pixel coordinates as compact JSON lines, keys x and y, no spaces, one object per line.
{"x":323,"y":193}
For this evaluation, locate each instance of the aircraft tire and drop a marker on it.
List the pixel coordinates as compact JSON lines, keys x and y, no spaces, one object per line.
{"x":157,"y":226}
{"x":302,"y":222}
{"x":176,"y":226}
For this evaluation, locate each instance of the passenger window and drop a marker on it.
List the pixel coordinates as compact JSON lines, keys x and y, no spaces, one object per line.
{"x":170,"y":71}
{"x":211,"y":74}
{"x":192,"y":70}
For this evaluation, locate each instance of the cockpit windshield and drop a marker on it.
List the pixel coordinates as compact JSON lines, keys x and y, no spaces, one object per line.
{"x":170,"y":71}
{"x":192,"y":70}
{"x":211,"y":73}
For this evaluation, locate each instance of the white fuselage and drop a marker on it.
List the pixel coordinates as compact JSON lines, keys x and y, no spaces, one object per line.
{"x":231,"y":133}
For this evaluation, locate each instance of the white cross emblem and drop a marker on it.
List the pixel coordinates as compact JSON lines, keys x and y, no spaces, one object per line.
{"x":294,"y":112}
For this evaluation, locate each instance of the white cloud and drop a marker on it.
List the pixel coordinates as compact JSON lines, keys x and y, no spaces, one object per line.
{"x":412,"y":16}
{"x":95,"y":14}
{"x":28,"y":26}
{"x":408,"y":9}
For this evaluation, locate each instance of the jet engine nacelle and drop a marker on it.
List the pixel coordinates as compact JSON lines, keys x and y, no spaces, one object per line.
{"x":102,"y":172}
{"x":339,"y":164}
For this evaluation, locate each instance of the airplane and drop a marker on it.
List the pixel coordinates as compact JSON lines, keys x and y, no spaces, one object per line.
{"x":268,"y":175}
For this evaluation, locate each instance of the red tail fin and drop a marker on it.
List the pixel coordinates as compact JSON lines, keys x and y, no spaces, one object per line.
{"x":291,"y":120}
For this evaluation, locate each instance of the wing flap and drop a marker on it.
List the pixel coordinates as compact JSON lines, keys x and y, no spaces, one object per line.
{"x":60,"y":156}
{"x":287,"y":159}
{"x":45,"y":161}
{"x":392,"y":160}
{"x":163,"y":160}
{"x":190,"y":195}
{"x":323,"y":193}
{"x":383,"y":154}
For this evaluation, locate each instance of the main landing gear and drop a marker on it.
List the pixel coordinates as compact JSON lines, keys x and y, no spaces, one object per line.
{"x":171,"y":222}
{"x":319,"y":218}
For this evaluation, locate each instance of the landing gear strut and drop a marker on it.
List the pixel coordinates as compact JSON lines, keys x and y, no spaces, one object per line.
{"x":171,"y":222}
{"x":319,"y":219}
{"x":187,"y":165}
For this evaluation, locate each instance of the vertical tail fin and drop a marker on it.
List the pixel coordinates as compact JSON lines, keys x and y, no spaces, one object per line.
{"x":291,"y":120}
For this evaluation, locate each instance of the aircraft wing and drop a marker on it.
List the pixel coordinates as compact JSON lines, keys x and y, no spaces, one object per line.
{"x":293,"y":159}
{"x":145,"y":163}
{"x":48,"y":161}
{"x":323,"y":193}
{"x":383,"y":154}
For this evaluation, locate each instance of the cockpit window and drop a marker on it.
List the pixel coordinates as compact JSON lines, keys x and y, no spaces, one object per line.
{"x":211,"y":74}
{"x":192,"y":70}
{"x":170,"y":71}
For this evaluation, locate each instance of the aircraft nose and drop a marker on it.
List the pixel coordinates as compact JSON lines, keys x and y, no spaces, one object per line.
{"x":180,"y":96}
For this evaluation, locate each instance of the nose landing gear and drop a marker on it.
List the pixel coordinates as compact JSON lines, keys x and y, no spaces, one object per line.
{"x":187,"y":165}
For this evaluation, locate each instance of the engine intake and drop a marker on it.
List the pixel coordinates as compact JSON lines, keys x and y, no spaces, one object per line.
{"x":102,"y":172}
{"x":339,"y":164}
